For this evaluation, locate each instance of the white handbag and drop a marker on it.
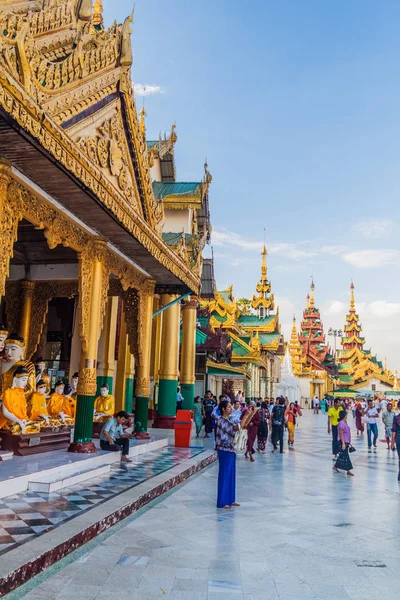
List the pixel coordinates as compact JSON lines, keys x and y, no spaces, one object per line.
{"x":240,"y":440}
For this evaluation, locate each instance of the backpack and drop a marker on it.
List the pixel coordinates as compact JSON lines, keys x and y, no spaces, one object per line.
{"x":277,"y":415}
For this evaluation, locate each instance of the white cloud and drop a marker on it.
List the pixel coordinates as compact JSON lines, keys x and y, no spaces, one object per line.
{"x":370,"y":259}
{"x":333,"y":250}
{"x":224,"y":237}
{"x":373,"y":229}
{"x":335,"y":307}
{"x":383,"y":309}
{"x":286,"y":307}
{"x":147,"y":89}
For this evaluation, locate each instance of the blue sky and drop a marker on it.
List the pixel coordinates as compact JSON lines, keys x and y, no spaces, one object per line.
{"x":296,"y":107}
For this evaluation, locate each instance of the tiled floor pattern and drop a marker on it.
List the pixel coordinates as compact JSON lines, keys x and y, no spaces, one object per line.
{"x":302,"y":532}
{"x":26,"y":515}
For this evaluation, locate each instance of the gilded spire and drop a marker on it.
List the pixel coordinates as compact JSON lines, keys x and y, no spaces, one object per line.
{"x":307,"y":301}
{"x":263,"y":299}
{"x":98,"y":14}
{"x":312,"y":300}
{"x":142,"y":123}
{"x":352,"y":302}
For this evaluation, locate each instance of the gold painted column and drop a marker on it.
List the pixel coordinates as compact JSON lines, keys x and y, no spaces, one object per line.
{"x":188,"y":352}
{"x":8,"y":223}
{"x":169,"y":364}
{"x":93,"y":286}
{"x":123,"y":356}
{"x":27,"y":289}
{"x":105,"y":373}
{"x":142,"y":389}
{"x":155,"y":352}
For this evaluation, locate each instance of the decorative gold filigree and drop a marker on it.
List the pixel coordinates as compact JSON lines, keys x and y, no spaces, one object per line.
{"x":87,"y":383}
{"x":10,"y":216}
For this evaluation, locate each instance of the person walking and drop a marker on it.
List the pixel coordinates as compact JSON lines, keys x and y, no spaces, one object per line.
{"x":224,"y":444}
{"x":290,"y":416}
{"x":344,"y":437}
{"x":252,"y":431}
{"x":262,"y":436}
{"x":198,"y":415}
{"x":316,"y":405}
{"x":387,"y":420}
{"x":372,"y":414}
{"x":208,"y":407}
{"x":359,"y":422}
{"x":179,"y":399}
{"x":277,"y":420}
{"x":396,"y":436}
{"x":333,"y":420}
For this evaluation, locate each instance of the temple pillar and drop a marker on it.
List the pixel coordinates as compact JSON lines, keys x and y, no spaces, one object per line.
{"x":248,"y":389}
{"x":105,"y":371}
{"x":123,"y":358}
{"x":142,"y":391}
{"x":8,"y":223}
{"x":27,"y":289}
{"x":93,"y":286}
{"x":168,"y":364}
{"x":156,"y":332}
{"x":129,"y":380}
{"x":188,"y":352}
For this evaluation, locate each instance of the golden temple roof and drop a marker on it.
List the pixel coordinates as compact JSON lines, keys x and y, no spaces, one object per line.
{"x":263,"y":297}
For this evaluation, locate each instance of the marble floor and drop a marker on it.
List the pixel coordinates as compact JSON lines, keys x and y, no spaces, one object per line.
{"x":302,"y":532}
{"x":29,"y":514}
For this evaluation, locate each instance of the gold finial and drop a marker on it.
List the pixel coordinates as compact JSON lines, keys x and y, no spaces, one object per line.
{"x":142,"y":123}
{"x":312,"y":300}
{"x":173,"y":137}
{"x":98,"y":14}
{"x":352,"y":302}
{"x":126,"y":43}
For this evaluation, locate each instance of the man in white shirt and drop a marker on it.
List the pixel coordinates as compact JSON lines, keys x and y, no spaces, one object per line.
{"x":316,"y":405}
{"x":372,"y":427}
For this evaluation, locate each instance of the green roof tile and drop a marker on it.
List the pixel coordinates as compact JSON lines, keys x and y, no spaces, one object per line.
{"x":268,"y":338}
{"x":249,"y":320}
{"x":163,"y":189}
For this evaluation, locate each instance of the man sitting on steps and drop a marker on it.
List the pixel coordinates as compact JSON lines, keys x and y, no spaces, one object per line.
{"x":113,"y":438}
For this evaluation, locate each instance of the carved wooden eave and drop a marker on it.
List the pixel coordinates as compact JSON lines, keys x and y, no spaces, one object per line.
{"x":58,"y":75}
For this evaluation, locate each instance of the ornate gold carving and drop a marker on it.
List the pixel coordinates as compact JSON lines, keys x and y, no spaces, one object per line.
{"x":109,"y":150}
{"x":8,"y":224}
{"x":142,"y":387}
{"x":87,"y":382}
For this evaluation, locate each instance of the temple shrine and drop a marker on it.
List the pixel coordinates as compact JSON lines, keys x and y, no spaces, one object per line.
{"x":101,"y":245}
{"x":244,"y":343}
{"x":312,"y":360}
{"x":359,"y":370}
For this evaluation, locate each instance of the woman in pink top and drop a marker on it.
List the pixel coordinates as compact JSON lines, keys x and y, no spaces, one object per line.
{"x":344,"y":438}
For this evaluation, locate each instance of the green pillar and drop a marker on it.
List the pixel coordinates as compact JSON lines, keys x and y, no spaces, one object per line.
{"x":129,"y":387}
{"x":167,"y":397}
{"x":187,"y":391}
{"x":141,"y":413}
{"x":84,"y":419}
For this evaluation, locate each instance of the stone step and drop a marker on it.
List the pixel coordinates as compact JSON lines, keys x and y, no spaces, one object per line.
{"x":6,"y":455}
{"x":58,"y":483}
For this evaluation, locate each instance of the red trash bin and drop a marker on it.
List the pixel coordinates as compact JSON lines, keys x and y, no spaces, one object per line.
{"x":183,"y":428}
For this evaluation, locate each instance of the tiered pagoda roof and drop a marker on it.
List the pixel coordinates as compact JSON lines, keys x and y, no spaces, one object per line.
{"x":299,"y":363}
{"x":357,"y":366}
{"x":263,"y":300}
{"x":312,"y":336}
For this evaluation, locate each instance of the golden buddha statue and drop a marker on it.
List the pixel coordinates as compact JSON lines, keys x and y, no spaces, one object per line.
{"x":37,"y":406}
{"x":41,"y":374}
{"x":69,"y":405}
{"x":104,"y":405}
{"x":14,"y":358}
{"x":56,"y":402}
{"x":13,"y":410}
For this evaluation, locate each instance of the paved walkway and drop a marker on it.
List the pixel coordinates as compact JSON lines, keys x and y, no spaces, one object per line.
{"x":302,"y":532}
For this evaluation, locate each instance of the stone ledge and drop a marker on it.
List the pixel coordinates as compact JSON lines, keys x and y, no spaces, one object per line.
{"x":27,"y":561}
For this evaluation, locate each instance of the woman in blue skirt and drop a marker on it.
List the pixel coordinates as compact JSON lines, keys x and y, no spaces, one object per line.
{"x":224,"y":443}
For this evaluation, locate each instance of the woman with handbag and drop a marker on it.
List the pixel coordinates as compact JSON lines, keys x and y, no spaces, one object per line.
{"x":225,"y":431}
{"x":344,"y":439}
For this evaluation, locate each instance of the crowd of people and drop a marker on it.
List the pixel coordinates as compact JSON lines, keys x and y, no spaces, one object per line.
{"x":266,"y":419}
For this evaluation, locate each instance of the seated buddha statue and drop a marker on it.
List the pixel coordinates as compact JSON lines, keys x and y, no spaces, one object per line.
{"x":37,"y":406}
{"x":13,"y":410}
{"x":104,"y":405}
{"x":3,"y":336}
{"x":40,"y":366}
{"x":69,"y":405}
{"x":14,"y":358}
{"x":55,"y":404}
